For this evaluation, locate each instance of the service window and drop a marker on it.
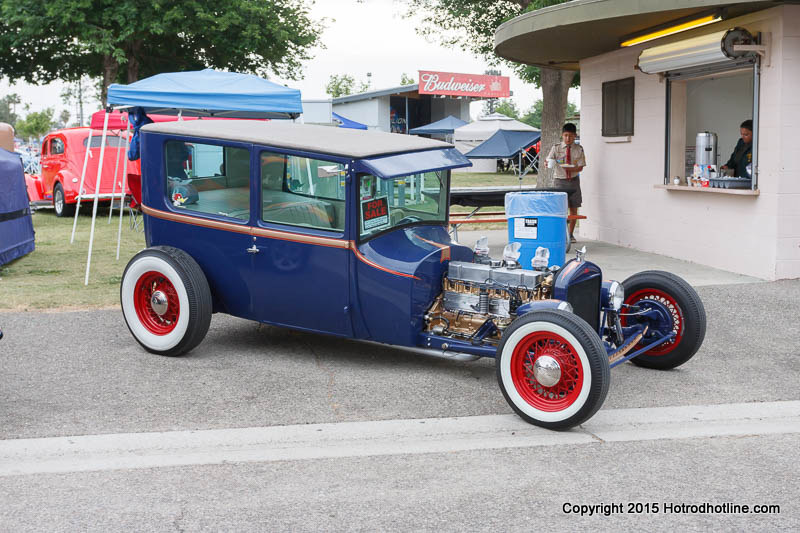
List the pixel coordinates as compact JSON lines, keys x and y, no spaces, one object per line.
{"x":56,"y":146}
{"x":386,"y":204}
{"x":706,"y":111}
{"x":618,"y":108}
{"x":208,"y":178}
{"x":302,"y":191}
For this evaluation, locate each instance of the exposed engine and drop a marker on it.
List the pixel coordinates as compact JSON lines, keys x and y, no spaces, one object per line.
{"x":478,"y":301}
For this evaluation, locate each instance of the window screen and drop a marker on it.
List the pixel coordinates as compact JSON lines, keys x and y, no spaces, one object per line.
{"x":208,"y":178}
{"x":618,"y":108}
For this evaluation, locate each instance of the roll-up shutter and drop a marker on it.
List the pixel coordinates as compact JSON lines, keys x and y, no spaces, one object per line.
{"x":713,"y":49}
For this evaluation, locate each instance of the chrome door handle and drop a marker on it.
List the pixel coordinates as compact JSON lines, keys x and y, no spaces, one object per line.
{"x":253,"y":250}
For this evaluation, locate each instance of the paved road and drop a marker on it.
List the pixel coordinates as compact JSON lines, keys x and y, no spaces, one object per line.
{"x":57,"y":379}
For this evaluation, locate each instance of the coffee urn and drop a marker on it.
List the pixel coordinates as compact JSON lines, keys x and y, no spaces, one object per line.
{"x":706,"y":148}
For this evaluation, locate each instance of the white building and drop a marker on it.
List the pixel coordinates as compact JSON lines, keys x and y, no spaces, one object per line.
{"x":638,"y":128}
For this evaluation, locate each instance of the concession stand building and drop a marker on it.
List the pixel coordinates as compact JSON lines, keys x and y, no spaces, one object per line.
{"x":664,"y":88}
{"x":400,"y":109}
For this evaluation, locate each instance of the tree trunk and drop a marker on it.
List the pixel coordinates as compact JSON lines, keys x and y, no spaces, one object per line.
{"x":133,"y":60}
{"x":555,"y":87}
{"x":110,"y":70}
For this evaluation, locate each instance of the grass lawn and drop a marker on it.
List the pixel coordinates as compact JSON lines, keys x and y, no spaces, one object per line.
{"x":51,"y":277}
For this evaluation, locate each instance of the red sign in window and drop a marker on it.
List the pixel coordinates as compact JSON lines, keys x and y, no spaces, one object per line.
{"x":453,"y":84}
{"x":375,"y":213}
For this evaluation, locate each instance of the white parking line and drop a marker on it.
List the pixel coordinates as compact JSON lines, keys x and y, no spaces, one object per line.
{"x":390,"y":437}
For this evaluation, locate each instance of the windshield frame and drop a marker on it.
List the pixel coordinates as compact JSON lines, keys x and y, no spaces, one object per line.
{"x":444,"y":174}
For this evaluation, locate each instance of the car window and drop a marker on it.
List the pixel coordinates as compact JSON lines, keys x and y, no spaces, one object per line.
{"x":386,"y":204}
{"x":111,"y":140}
{"x":302,"y":191}
{"x":56,"y":146}
{"x":208,"y":178}
{"x":45,"y":148}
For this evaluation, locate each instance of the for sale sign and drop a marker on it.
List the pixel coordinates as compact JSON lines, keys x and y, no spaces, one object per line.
{"x":374,"y":213}
{"x":453,"y":84}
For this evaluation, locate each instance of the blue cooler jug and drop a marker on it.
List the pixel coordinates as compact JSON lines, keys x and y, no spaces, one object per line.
{"x":538,"y":219}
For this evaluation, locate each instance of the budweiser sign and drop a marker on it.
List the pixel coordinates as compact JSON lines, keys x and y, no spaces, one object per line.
{"x":452,"y":84}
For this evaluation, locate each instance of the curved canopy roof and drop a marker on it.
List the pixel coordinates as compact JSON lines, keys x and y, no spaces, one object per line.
{"x":484,"y":127}
{"x":208,"y":93}
{"x":560,"y":36}
{"x":306,"y":137}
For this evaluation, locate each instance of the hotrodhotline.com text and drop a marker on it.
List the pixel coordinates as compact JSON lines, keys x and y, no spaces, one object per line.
{"x":607,"y":509}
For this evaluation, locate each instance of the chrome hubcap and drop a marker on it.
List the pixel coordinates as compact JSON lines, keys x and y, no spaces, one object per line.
{"x":159,"y":303}
{"x":59,"y":200}
{"x":546,"y":371}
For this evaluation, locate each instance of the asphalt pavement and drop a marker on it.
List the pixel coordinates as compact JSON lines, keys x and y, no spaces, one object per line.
{"x":68,"y":374}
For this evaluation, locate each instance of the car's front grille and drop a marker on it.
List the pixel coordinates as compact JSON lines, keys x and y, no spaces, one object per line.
{"x":584,"y":297}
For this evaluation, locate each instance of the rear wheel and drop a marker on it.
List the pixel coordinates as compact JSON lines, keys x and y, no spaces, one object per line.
{"x":675,"y":308}
{"x":165,"y":300}
{"x":552,"y":369}
{"x":60,"y":205}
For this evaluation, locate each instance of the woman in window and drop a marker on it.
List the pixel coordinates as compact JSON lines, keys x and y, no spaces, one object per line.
{"x":742,"y":156}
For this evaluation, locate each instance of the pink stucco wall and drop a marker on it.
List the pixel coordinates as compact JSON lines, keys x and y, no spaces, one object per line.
{"x":753,"y":235}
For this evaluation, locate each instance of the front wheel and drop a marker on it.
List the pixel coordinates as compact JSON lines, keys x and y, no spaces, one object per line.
{"x":552,"y":369}
{"x":166,"y":301}
{"x":673,"y":306}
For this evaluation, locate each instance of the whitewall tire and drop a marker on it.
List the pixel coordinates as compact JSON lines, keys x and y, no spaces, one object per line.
{"x":552,"y":369}
{"x":165,"y":300}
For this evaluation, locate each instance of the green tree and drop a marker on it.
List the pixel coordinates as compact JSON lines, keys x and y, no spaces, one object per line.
{"x":35,"y":124}
{"x":405,"y":79}
{"x":533,"y":116}
{"x":344,"y":84}
{"x":471,"y":25}
{"x":123,"y":40}
{"x":63,"y":118}
{"x":81,"y":92}
{"x":7,"y":104}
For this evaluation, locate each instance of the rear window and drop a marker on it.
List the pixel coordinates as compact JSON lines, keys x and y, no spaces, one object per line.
{"x":111,"y":140}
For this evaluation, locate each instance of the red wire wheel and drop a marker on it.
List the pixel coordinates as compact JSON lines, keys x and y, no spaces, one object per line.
{"x":559,"y":396}
{"x":147,"y":285}
{"x":664,"y":301}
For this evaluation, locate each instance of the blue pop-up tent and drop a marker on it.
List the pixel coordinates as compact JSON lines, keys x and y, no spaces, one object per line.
{"x":509,"y":144}
{"x":444,"y":126}
{"x":347,"y":123}
{"x":209,"y":93}
{"x":16,"y":225}
{"x":504,"y":144}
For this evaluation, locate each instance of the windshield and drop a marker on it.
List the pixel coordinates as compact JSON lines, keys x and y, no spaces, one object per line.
{"x":390,"y":203}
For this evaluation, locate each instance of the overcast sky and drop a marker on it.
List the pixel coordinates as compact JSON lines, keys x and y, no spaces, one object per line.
{"x":361,"y":37}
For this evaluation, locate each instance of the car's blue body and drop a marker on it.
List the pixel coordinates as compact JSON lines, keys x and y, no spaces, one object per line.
{"x":329,"y":281}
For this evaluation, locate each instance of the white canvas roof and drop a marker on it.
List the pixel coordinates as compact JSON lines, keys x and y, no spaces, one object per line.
{"x":484,"y":127}
{"x":323,"y":139}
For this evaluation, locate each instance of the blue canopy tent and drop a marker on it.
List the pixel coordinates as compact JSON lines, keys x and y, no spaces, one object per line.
{"x":508,"y":144}
{"x":204,"y":93}
{"x":16,"y":225}
{"x":347,"y":123}
{"x":444,"y":126}
{"x":209,"y":93}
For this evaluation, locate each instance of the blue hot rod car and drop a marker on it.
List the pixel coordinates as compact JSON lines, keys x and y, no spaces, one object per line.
{"x":344,"y":232}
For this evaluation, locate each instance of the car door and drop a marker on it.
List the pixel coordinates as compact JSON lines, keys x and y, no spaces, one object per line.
{"x":47,"y":168}
{"x":300,"y":252}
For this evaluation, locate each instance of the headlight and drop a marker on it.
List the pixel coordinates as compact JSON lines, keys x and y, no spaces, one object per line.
{"x":616,"y":295}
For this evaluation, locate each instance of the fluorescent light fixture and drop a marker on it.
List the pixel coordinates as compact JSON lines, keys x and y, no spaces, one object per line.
{"x":675,"y":28}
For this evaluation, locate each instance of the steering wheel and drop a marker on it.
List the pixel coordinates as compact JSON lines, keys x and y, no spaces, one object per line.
{"x":409,"y":219}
